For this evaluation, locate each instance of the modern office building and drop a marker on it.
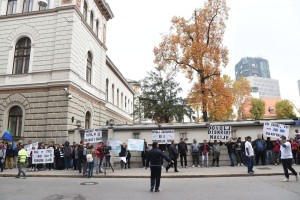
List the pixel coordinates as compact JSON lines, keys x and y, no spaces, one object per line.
{"x":252,"y":67}
{"x":256,"y":70}
{"x":55,"y":75}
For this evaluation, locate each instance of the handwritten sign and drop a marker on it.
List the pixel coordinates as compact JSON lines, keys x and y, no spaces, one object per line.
{"x":163,"y":136}
{"x":92,"y":135}
{"x":41,"y":156}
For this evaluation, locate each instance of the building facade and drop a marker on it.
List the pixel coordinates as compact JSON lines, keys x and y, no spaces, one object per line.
{"x":267,"y":88}
{"x":55,"y":75}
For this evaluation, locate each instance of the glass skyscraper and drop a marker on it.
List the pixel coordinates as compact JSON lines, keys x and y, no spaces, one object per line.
{"x":252,"y":67}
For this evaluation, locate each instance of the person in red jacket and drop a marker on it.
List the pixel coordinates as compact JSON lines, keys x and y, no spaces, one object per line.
{"x":294,"y":146}
{"x":277,"y":152}
{"x":100,"y":156}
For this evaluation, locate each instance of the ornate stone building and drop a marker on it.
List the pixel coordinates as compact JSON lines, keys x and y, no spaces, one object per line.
{"x":55,"y":75}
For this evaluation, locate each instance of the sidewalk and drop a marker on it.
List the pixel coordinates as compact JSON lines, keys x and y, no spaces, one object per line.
{"x":223,"y":171}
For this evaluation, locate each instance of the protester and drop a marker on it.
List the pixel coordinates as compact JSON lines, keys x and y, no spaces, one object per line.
{"x":75,"y":156}
{"x":144,"y":154}
{"x":238,"y":148}
{"x":173,"y":155}
{"x":9,"y":157}
{"x":154,"y":158}
{"x":230,"y":148}
{"x":40,"y":166}
{"x":59,"y":157}
{"x":2,"y":156}
{"x":294,"y":146}
{"x":51,"y":165}
{"x":82,"y":163}
{"x":216,"y":151}
{"x":33,"y":166}
{"x":269,"y":151}
{"x":195,"y":149}
{"x":182,"y":148}
{"x":29,"y":158}
{"x":249,"y":153}
{"x":259,"y":146}
{"x":204,"y":149}
{"x":90,"y":157}
{"x":277,"y":153}
{"x":122,"y":155}
{"x":128,"y":157}
{"x":100,"y":157}
{"x":67,"y":155}
{"x":287,"y":158}
{"x":22,"y":159}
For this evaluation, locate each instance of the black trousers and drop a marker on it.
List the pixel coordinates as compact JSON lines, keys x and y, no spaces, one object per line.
{"x":287,"y":164}
{"x":174,"y":163}
{"x":262,"y":156}
{"x":155,"y":176}
{"x":183,"y":157}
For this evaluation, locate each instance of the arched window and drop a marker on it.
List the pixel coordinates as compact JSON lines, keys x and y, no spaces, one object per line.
{"x":97,"y":27}
{"x":118,"y":98}
{"x":92,"y":20}
{"x":113,"y":93}
{"x":22,"y":56}
{"x":27,"y":5}
{"x":122,"y":100}
{"x":106,"y":89}
{"x":87,"y":120}
{"x":11,"y":7}
{"x":89,"y":68}
{"x":84,"y":11}
{"x":15,"y":120}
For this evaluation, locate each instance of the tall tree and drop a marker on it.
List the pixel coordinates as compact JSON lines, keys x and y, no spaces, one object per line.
{"x":284,"y":109}
{"x":257,"y":109}
{"x":159,"y":100}
{"x":241,"y":90}
{"x":196,"y":46}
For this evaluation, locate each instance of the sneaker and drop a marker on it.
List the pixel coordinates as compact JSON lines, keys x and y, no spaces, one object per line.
{"x":285,"y":180}
{"x":151,"y":189}
{"x":185,"y":166}
{"x":198,"y":165}
{"x":275,"y":164}
{"x":30,"y":170}
{"x":17,"y":177}
{"x":157,"y":190}
{"x":238,"y":165}
{"x":193,"y":166}
{"x":242,"y":164}
{"x":251,"y":173}
{"x":297,"y":177}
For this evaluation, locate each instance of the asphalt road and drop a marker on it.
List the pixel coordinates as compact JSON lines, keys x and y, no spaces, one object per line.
{"x":235,"y":188}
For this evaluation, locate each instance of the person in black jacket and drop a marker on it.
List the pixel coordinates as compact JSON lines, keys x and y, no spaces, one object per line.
{"x":154,"y":158}
{"x":173,"y":154}
{"x":182,"y":148}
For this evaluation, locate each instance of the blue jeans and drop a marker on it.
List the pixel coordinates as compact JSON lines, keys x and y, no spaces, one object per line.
{"x":91,"y":169}
{"x":67,"y":162}
{"x":269,"y":156}
{"x":249,"y":163}
{"x":231,"y":157}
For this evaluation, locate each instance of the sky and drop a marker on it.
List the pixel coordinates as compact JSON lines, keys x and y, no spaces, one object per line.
{"x":256,"y":28}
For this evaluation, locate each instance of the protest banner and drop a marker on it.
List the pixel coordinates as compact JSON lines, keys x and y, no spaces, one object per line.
{"x":135,"y":145}
{"x":28,"y":147}
{"x":92,"y":135}
{"x":274,"y":130}
{"x":115,"y":145}
{"x":163,"y":136}
{"x":41,"y":156}
{"x":219,"y":132}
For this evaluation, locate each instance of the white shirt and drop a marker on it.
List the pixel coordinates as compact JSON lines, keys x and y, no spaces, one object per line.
{"x":248,"y":146}
{"x":286,"y":152}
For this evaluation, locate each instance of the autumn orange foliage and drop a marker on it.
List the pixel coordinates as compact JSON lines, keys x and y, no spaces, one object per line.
{"x":196,"y":47}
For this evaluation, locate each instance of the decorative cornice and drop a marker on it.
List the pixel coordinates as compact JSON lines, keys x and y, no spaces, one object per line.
{"x":104,"y":9}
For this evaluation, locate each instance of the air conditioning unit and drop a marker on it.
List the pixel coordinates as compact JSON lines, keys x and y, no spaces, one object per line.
{"x":43,"y":3}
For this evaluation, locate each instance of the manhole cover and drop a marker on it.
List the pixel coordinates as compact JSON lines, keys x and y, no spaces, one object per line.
{"x":263,"y":168}
{"x":89,"y":183}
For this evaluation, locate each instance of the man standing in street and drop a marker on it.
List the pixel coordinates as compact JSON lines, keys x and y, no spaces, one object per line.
{"x":287,"y":158}
{"x":182,"y":148}
{"x":249,"y":155}
{"x":22,"y":159}
{"x":154,"y":157}
{"x":173,"y":154}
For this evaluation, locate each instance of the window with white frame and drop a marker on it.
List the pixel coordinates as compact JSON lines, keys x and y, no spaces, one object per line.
{"x":87,"y":120}
{"x":27,"y":5}
{"x":11,"y":7}
{"x":92,"y":20}
{"x":22,"y":56}
{"x":89,"y":68}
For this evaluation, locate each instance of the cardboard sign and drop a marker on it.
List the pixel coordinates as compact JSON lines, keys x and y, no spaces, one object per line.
{"x":163,"y":136}
{"x":41,"y":156}
{"x":92,"y":136}
{"x":219,"y":132}
{"x":274,"y":130}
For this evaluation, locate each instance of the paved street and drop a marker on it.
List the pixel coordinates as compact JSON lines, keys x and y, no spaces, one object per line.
{"x":235,"y":188}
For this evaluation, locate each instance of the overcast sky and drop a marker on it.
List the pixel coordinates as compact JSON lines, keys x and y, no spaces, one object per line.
{"x":266,"y":28}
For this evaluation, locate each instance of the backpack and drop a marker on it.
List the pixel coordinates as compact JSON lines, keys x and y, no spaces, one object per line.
{"x":89,"y":157}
